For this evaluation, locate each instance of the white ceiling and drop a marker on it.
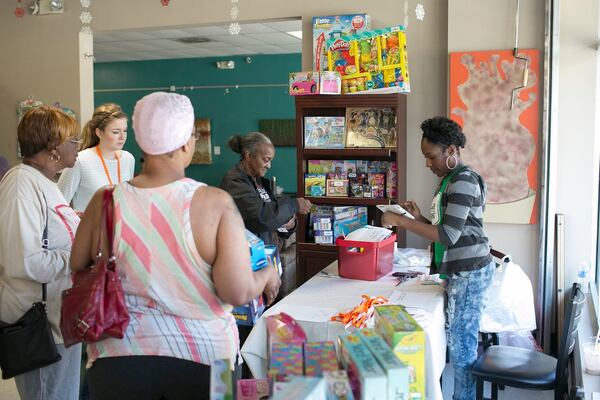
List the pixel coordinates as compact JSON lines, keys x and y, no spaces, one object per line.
{"x":160,"y":44}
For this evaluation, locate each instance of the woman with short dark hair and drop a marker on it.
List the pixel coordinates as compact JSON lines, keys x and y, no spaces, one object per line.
{"x":460,"y":250}
{"x":33,"y":212}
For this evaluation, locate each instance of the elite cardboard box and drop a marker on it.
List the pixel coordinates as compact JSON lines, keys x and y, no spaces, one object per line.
{"x":407,"y":340}
{"x":367,"y":379}
{"x":397,"y":372}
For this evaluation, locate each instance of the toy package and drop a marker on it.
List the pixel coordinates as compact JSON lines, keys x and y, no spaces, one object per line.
{"x":249,"y":313}
{"x":347,"y":219}
{"x":330,"y":82}
{"x":319,"y":357}
{"x":338,"y":385}
{"x":304,"y":83}
{"x":282,"y":328}
{"x":221,"y":387}
{"x":324,"y":132}
{"x":391,"y":179}
{"x":407,"y":340}
{"x":258,"y":258}
{"x":302,"y":387}
{"x":371,"y":60}
{"x":334,"y":26}
{"x":314,"y":185}
{"x":370,"y":127}
{"x":377,"y":183}
{"x":252,"y":389}
{"x":286,"y":359}
{"x":337,"y":187}
{"x":396,"y":371}
{"x":367,"y":379}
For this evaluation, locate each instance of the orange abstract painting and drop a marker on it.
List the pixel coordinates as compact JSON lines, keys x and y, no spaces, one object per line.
{"x":502,"y":142}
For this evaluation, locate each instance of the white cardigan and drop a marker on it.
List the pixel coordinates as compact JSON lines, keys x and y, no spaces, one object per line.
{"x":27,"y":198}
{"x":78,"y":184}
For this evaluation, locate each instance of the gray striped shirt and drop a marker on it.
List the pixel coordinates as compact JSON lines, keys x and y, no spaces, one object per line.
{"x":462,"y":230}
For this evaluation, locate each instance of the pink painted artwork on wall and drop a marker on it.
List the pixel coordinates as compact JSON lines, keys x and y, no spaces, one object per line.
{"x":501,"y":131}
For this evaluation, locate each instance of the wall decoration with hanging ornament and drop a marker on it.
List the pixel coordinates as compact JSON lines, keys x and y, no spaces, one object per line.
{"x":234,"y":26}
{"x":19,"y":11}
{"x":86,"y":17}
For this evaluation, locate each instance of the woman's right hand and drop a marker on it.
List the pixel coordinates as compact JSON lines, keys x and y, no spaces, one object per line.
{"x":272,"y":287}
{"x":412,"y":208}
{"x":303,"y":205}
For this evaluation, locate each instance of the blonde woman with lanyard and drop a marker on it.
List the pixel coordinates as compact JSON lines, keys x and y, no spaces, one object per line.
{"x":102,"y":160}
{"x":461,"y":253}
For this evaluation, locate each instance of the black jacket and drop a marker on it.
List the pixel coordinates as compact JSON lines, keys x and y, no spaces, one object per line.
{"x":261,"y":217}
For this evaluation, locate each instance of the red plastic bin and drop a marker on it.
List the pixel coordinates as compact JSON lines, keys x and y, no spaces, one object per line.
{"x":367,"y":261}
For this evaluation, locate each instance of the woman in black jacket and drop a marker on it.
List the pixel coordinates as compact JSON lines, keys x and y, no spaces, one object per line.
{"x":264,"y":214}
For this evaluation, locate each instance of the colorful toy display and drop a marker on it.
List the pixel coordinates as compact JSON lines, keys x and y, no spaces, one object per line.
{"x":367,"y":379}
{"x":331,"y":27}
{"x":370,"y":60}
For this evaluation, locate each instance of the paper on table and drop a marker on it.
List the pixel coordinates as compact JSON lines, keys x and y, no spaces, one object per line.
{"x":395,"y":208}
{"x":369,"y":233}
{"x":309,"y":313}
{"x":410,"y":299}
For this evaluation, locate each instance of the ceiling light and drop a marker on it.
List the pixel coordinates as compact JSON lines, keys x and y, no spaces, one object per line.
{"x":297,"y":34}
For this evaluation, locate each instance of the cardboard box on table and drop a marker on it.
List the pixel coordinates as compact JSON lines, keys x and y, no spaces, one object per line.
{"x":407,"y":340}
{"x":319,"y":357}
{"x":397,"y":372}
{"x":367,"y":378}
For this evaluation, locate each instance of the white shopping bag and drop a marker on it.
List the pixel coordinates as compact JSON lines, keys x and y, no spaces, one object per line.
{"x":509,"y":305}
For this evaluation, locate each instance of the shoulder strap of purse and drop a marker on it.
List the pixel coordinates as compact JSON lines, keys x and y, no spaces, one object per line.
{"x":45,"y":245}
{"x":107,"y":224}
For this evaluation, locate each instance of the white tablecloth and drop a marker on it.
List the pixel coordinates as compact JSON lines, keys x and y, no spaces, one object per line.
{"x":321,"y":297}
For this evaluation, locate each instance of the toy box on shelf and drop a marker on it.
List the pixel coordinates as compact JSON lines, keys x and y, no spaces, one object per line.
{"x":333,"y":26}
{"x":314,"y":82}
{"x":371,"y":60}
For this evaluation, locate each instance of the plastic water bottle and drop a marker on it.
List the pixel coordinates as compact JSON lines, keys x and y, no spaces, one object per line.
{"x":582,"y":276}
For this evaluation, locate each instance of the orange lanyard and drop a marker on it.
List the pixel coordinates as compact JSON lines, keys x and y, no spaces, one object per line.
{"x":106,"y":169}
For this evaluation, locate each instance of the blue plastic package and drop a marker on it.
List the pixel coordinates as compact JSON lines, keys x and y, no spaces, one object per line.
{"x":258,"y":258}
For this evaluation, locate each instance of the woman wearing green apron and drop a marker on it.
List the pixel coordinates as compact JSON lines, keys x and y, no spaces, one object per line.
{"x":461,"y":253}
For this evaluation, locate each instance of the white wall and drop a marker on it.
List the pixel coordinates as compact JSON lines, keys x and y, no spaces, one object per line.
{"x":489,"y":25}
{"x":576,"y":195}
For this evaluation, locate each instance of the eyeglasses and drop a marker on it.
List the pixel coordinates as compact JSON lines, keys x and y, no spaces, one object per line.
{"x":75,"y":141}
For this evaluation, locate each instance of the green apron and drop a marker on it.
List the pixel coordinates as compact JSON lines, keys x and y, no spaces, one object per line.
{"x":437,"y":218}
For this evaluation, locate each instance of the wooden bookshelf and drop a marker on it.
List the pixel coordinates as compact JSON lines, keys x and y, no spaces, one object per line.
{"x":312,"y":257}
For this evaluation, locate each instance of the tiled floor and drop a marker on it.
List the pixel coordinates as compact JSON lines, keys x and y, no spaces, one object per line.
{"x":8,"y":390}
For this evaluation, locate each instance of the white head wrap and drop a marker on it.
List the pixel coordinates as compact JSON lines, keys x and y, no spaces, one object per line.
{"x":162,"y":122}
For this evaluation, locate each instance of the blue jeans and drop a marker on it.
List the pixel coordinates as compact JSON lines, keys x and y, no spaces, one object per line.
{"x":466,"y":297}
{"x":58,"y":381}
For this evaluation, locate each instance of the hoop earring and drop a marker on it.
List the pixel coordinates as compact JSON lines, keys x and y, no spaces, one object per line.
{"x":455,"y":162}
{"x":57,"y":159}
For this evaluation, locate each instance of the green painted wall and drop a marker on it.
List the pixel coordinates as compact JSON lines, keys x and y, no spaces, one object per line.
{"x":235,"y":112}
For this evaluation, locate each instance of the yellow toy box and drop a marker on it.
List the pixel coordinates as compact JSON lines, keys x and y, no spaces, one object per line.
{"x":407,"y":340}
{"x":371,"y":60}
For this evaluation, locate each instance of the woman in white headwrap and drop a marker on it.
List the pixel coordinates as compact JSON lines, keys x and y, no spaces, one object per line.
{"x":183,"y":258}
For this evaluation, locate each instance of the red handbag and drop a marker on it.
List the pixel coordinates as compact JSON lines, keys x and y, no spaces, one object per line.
{"x":94,"y":307}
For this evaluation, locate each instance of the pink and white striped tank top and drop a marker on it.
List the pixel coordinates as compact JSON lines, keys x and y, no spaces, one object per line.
{"x":173,"y":305}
